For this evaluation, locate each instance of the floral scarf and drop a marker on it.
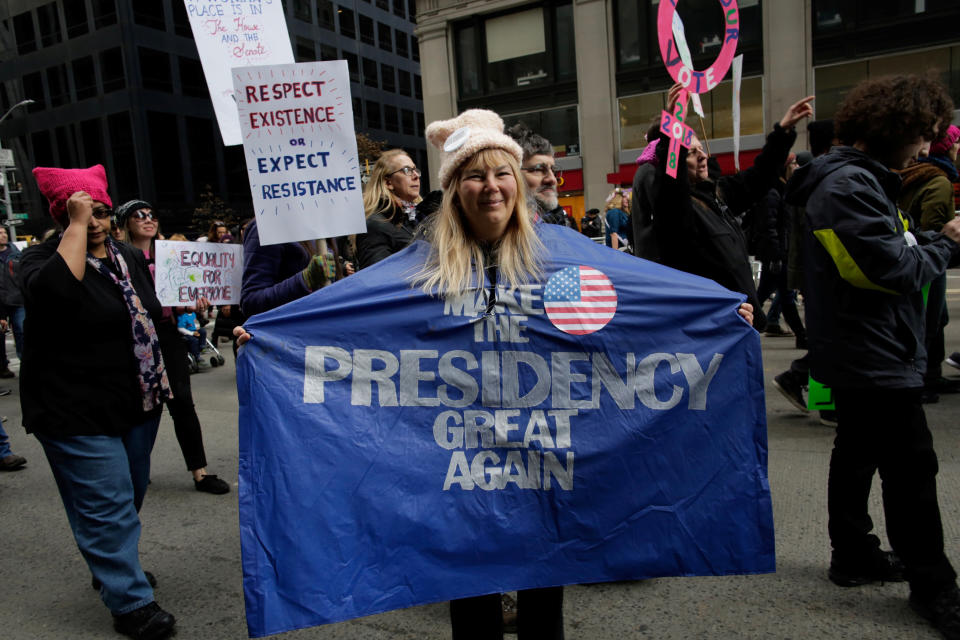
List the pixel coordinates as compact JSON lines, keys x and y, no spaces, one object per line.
{"x":154,"y":385}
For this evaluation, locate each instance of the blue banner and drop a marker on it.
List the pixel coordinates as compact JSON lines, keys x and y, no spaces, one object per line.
{"x":606,"y":423}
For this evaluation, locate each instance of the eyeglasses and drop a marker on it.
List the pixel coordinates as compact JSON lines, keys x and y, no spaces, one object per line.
{"x":143,"y":215}
{"x":541,"y":169}
{"x":407,"y":171}
{"x":102,"y":213}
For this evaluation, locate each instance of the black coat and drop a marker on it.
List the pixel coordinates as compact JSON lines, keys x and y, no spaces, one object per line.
{"x":696,"y":228}
{"x":384,"y":237}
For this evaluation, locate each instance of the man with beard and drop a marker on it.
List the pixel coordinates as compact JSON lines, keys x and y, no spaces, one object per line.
{"x":541,"y":175}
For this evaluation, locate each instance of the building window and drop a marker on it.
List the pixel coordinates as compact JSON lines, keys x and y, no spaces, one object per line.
{"x":48,"y":23}
{"x":301,"y":11}
{"x":23,"y":31}
{"x":202,"y":147}
{"x":91,"y":143}
{"x":370,"y":73}
{"x":149,"y":14}
{"x":390,"y":121}
{"x":417,"y":87}
{"x":123,"y":152}
{"x":383,"y":4}
{"x":181,"y":23}
{"x":75,"y":17}
{"x":155,"y":69}
{"x":373,"y":114}
{"x":835,"y":81}
{"x":385,"y":34}
{"x":638,"y":113}
{"x":352,"y":66}
{"x":366,"y":29}
{"x":304,"y":51}
{"x":43,"y":149}
{"x":403,"y":83}
{"x":167,"y":164}
{"x":84,"y":78}
{"x":33,"y":89}
{"x":111,"y":70}
{"x":328,"y":53}
{"x":402,"y":48}
{"x":559,"y":126}
{"x":421,"y":126}
{"x":399,"y":9}
{"x":192,"y":82}
{"x":387,"y":82}
{"x":325,"y":14}
{"x":357,"y":113}
{"x":414,"y":48}
{"x":412,"y":10}
{"x":347,"y":26}
{"x":406,"y":120}
{"x":104,"y":13}
{"x":57,"y":82}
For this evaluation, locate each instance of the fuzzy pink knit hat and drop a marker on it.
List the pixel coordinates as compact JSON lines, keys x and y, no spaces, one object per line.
{"x":461,"y":137}
{"x":57,"y":185}
{"x":942,"y":146}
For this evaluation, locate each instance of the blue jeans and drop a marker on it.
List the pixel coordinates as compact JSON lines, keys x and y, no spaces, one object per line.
{"x":102,"y":482}
{"x":4,"y":443}
{"x":16,"y":324}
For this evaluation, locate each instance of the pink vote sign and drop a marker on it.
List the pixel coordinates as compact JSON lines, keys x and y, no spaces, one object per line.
{"x":693,"y":81}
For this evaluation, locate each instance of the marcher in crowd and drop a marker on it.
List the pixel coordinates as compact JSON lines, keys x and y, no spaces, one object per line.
{"x":94,"y":402}
{"x":927,"y":198}
{"x":140,"y":223}
{"x":542,"y":175}
{"x":865,"y":317}
{"x":592,"y":224}
{"x":643,"y":198}
{"x":11,"y":300}
{"x":617,"y":220}
{"x":390,"y":200}
{"x":696,"y":218}
{"x":774,"y":242}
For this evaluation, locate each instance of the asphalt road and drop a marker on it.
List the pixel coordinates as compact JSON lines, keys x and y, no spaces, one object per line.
{"x":191,"y":542}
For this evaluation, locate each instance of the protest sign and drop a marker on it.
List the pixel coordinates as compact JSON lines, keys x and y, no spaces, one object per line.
{"x":236,"y":33}
{"x":694,"y":82}
{"x":301,"y":151}
{"x":605,"y":422}
{"x":188,"y":271}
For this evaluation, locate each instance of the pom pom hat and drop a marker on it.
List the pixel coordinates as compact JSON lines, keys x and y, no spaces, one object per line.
{"x":942,"y":146}
{"x":123,"y":211}
{"x":461,"y":137}
{"x":57,"y":185}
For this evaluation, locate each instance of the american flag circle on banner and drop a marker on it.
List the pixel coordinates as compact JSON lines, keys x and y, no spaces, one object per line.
{"x":579,"y":300}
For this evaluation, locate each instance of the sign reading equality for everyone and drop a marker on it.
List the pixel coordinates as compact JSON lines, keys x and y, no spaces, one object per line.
{"x":604,"y":422}
{"x":301,"y":150}
{"x":236,"y":33}
{"x":188,"y":271}
{"x":694,"y":82}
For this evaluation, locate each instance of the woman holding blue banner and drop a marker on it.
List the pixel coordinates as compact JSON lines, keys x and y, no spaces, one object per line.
{"x":483,"y":236}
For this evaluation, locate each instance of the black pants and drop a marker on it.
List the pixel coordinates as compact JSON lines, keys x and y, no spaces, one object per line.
{"x":539,"y":616}
{"x":886,"y":430}
{"x":937,"y":318}
{"x":185,"y":422}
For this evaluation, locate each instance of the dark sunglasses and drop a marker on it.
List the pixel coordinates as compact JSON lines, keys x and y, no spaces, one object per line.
{"x":102,"y":213}
{"x":407,"y":171}
{"x":541,"y":169}
{"x":143,"y":215}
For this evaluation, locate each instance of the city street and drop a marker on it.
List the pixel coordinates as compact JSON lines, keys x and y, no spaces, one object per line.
{"x":191,"y":543}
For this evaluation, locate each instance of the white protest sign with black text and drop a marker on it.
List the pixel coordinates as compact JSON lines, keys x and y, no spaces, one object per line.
{"x":301,"y":150}
{"x":234,"y":33}
{"x":188,"y":271}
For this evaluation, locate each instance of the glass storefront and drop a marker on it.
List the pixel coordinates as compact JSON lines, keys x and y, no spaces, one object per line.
{"x":637,"y":113}
{"x":560,"y":126}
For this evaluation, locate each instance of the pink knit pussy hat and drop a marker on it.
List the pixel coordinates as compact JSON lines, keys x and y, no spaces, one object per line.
{"x":57,"y":185}
{"x":942,"y":146}
{"x":461,"y":137}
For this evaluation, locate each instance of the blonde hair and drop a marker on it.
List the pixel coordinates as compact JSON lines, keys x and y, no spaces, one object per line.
{"x":615,"y":199}
{"x":376,"y":197}
{"x":456,"y":260}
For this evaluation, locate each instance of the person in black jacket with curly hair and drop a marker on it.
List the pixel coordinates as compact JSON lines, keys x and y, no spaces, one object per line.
{"x":696,"y":226}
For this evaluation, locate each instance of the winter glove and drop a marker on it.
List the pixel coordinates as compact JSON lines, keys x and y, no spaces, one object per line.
{"x":315,"y":275}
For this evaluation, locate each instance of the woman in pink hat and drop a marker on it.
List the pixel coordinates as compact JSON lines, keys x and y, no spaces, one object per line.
{"x":92,"y":394}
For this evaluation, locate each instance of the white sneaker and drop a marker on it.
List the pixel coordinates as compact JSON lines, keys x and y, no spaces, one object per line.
{"x":954,"y":360}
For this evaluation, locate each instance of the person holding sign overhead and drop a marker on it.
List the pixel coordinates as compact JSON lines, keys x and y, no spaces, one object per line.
{"x":140,"y":224}
{"x":695,"y":223}
{"x":390,"y":200}
{"x":93,"y":400}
